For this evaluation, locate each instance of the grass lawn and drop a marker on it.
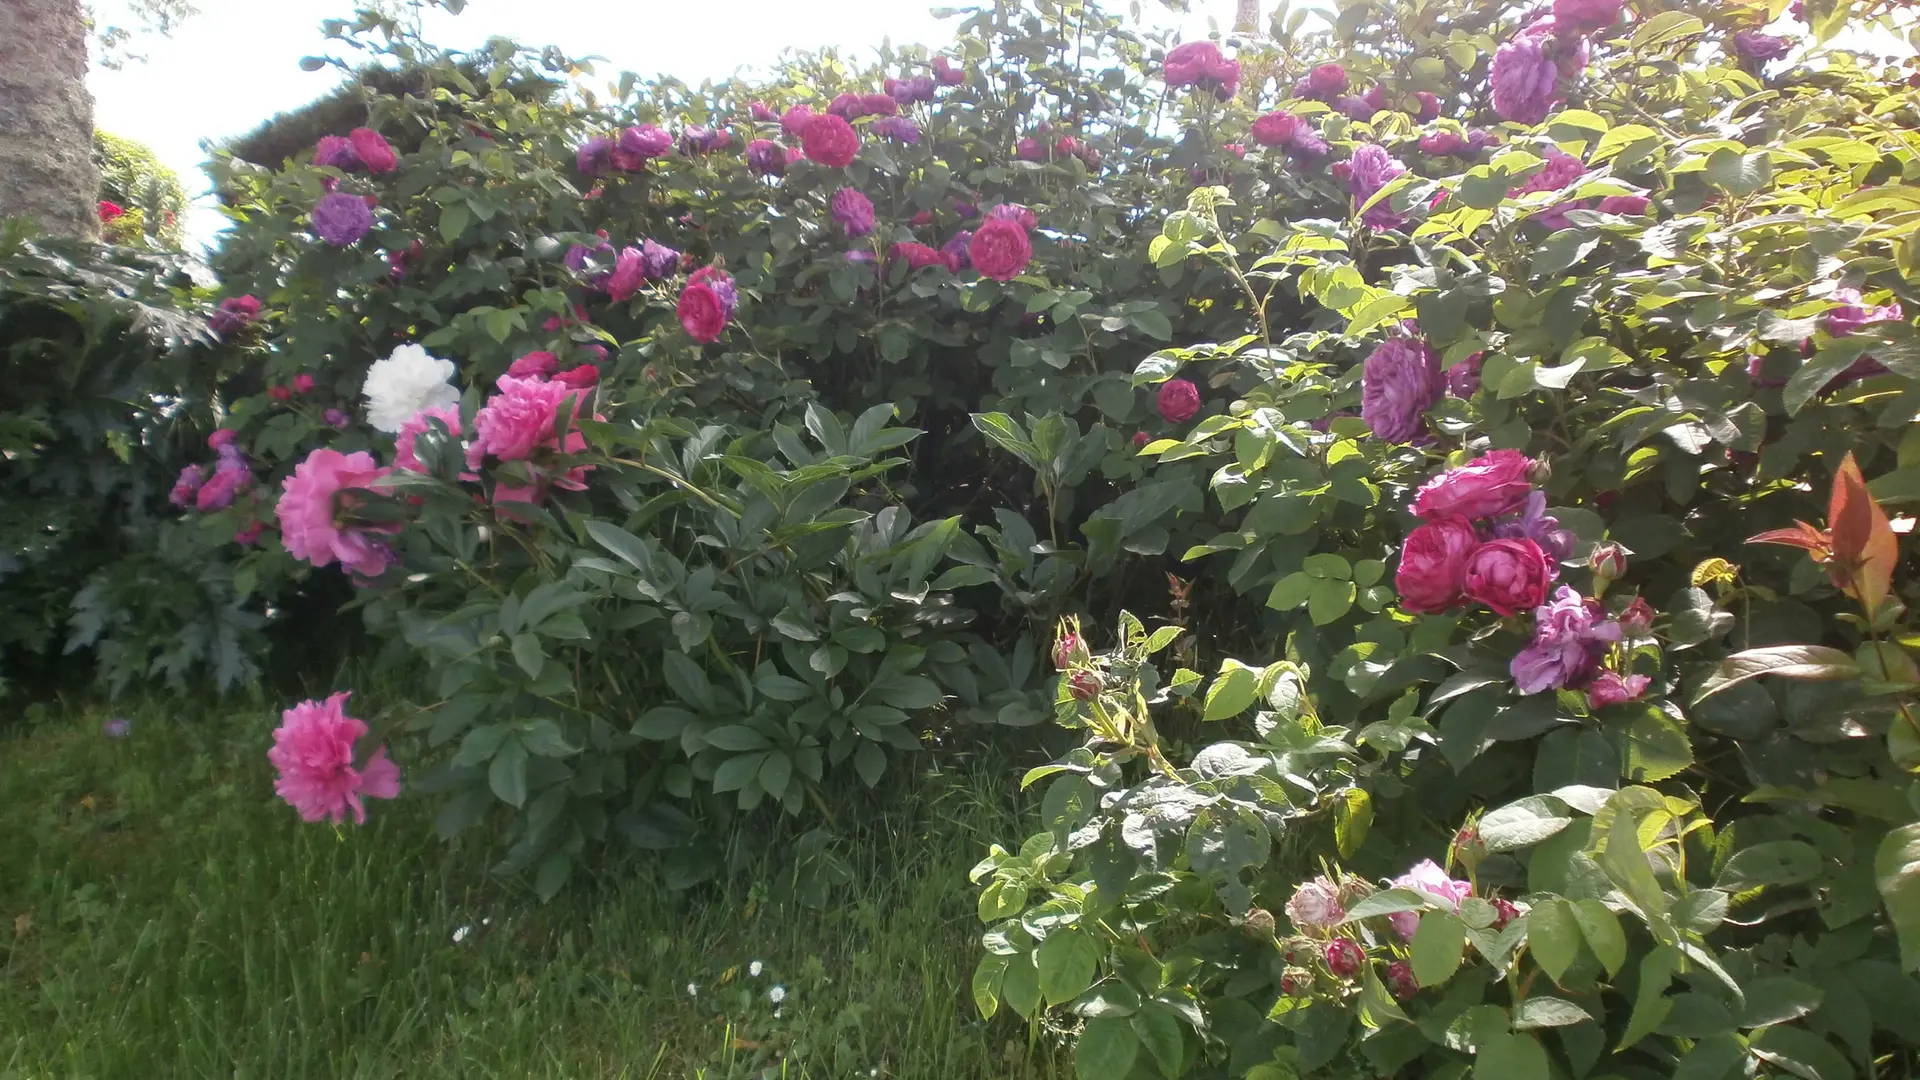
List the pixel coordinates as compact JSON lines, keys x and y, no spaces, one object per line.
{"x":162,"y":914}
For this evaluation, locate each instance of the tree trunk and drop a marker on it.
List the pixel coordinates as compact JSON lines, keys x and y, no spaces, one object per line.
{"x":46,"y":117}
{"x":1246,"y":17}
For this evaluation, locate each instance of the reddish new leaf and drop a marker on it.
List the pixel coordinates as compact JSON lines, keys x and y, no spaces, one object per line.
{"x":1802,"y":535}
{"x":1864,"y":548}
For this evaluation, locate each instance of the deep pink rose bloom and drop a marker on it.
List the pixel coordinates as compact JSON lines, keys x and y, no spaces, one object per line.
{"x":1525,"y":81}
{"x":302,"y":383}
{"x":373,"y":150}
{"x":1560,"y":170}
{"x":534,"y":365}
{"x":1177,"y":400}
{"x":879,"y":105}
{"x":701,"y":313}
{"x":1275,"y":128}
{"x":646,"y":141}
{"x":1426,"y":877}
{"x":313,"y":754}
{"x":1141,"y":438}
{"x":1371,"y":169}
{"x":1029,"y":150}
{"x":233,"y":314}
{"x":1429,"y":106}
{"x":1509,"y":576}
{"x":580,"y":377}
{"x":341,"y":219}
{"x":795,"y":120}
{"x":1463,"y":378}
{"x":1570,"y":637}
{"x":853,"y":211}
{"x":1585,"y":16}
{"x":222,"y":438}
{"x":1323,"y":83}
{"x":629,"y":270}
{"x":1433,"y":565}
{"x":947,"y":73}
{"x":403,"y":443}
{"x":1753,"y":45}
{"x":334,"y":152}
{"x":1400,"y":382}
{"x":1201,"y":65}
{"x":918,"y":256}
{"x":1000,"y":249}
{"x":1014,"y":212}
{"x":761,"y":112}
{"x":249,"y":534}
{"x":1443,"y":143}
{"x":1375,"y":99}
{"x":830,"y":140}
{"x":847,"y":106}
{"x":186,"y":486}
{"x":1624,"y":205}
{"x":1236,"y":149}
{"x":1612,"y":688}
{"x":1401,"y":980}
{"x":309,"y":503}
{"x":1493,"y":483}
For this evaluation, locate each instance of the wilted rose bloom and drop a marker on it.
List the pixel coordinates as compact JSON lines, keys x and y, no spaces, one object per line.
{"x":646,"y":141}
{"x":186,"y":486}
{"x":955,"y":250}
{"x":766,"y":157}
{"x":1275,"y":128}
{"x":853,"y":210}
{"x":1201,"y":65}
{"x":1755,"y":46}
{"x":310,"y":503}
{"x":1612,"y":688}
{"x":830,"y":140}
{"x":1583,"y":16}
{"x":1624,"y":205}
{"x":1854,"y":314}
{"x":947,"y":72}
{"x":1371,"y":169}
{"x":1433,"y":563}
{"x":657,"y":260}
{"x":1426,"y":877}
{"x":1443,"y":143}
{"x":1399,"y":383}
{"x":897,"y":129}
{"x":1509,"y":576}
{"x":1315,"y":905}
{"x":1177,"y":400}
{"x":341,"y":219}
{"x":1493,"y":483}
{"x":1323,"y":83}
{"x":1637,"y":620}
{"x":918,"y":256}
{"x":335,"y":152}
{"x":1525,"y":81}
{"x":1000,"y":249}
{"x":373,"y":150}
{"x":1570,"y":636}
{"x":795,"y":120}
{"x":233,"y":314}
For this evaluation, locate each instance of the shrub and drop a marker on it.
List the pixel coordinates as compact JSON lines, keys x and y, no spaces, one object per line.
{"x":139,"y":195}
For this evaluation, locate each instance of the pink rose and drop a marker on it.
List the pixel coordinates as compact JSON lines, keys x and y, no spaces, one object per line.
{"x":1433,"y":564}
{"x":1178,"y":400}
{"x":534,"y":365}
{"x":373,"y":150}
{"x":830,"y":140}
{"x":1000,"y":249}
{"x":1509,"y":576}
{"x":1490,"y":484}
{"x":702,"y":313}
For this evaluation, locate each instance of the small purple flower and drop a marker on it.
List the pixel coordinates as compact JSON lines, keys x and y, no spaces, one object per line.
{"x":646,"y":141}
{"x":337,"y":418}
{"x":117,"y":728}
{"x":1354,"y":107}
{"x":760,"y":112}
{"x":1854,"y":314}
{"x":1571,"y":636}
{"x":1371,"y":169}
{"x":853,"y":211}
{"x":591,"y":157}
{"x":341,"y":219}
{"x":958,"y":257}
{"x":908,"y":91}
{"x":657,"y":260}
{"x":1463,"y":378}
{"x":705,"y":140}
{"x":1532,"y":522}
{"x":897,"y":129}
{"x":580,"y":256}
{"x":1399,"y":383}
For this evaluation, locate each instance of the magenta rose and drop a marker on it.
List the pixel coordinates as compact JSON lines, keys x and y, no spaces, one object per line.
{"x":1433,"y":564}
{"x":1493,"y":483}
{"x":1323,"y":83}
{"x":1399,"y":383}
{"x":1000,"y":249}
{"x":1509,"y":576}
{"x":1178,"y":400}
{"x":830,"y":140}
{"x":1276,"y":128}
{"x":702,"y":313}
{"x":1624,"y":205}
{"x":373,"y":150}
{"x":795,"y":120}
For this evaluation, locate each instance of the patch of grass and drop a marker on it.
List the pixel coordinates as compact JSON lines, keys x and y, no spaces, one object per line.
{"x":161,"y":913}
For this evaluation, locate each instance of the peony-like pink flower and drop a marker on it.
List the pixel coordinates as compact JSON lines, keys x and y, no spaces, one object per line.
{"x":228,"y":480}
{"x":1000,"y":249}
{"x":420,"y":422}
{"x":341,"y":219}
{"x":311,"y":503}
{"x":373,"y":150}
{"x":186,"y":486}
{"x":1433,"y":565}
{"x":1570,"y":637}
{"x":1624,"y":205}
{"x":1561,"y":169}
{"x":1276,"y":128}
{"x":1399,"y":383}
{"x":1315,"y":905}
{"x":1201,"y":65}
{"x":1613,"y":688}
{"x":1426,"y":877}
{"x":830,"y":140}
{"x":1177,"y":400}
{"x":313,"y":754}
{"x":878,"y":105}
{"x":519,"y":421}
{"x":853,"y":210}
{"x":1509,"y":576}
{"x":1586,"y":16}
{"x":1323,"y":83}
{"x":1371,"y":169}
{"x":1493,"y":483}
{"x":534,"y":365}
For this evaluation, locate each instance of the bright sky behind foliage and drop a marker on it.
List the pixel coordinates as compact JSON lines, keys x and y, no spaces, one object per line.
{"x":237,"y":62}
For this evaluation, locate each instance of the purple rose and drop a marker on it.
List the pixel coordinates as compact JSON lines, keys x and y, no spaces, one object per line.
{"x":657,"y":260}
{"x":1399,"y":383}
{"x":956,"y":251}
{"x":1323,"y":83}
{"x":1526,"y":83}
{"x":335,"y":151}
{"x":186,"y":486}
{"x":1585,"y":16}
{"x":1371,"y":169}
{"x":1463,"y":378}
{"x":910,"y":90}
{"x":1760,"y":48}
{"x":1854,"y":314}
{"x":853,"y":211}
{"x":1535,"y":524}
{"x":1570,"y":637}
{"x":592,"y":155}
{"x":760,"y":111}
{"x":341,"y":219}
{"x":646,"y":141}
{"x":766,"y":157}
{"x":1354,"y":107}
{"x":897,"y":129}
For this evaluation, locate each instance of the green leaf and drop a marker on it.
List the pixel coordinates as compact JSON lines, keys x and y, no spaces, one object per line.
{"x":1436,"y":947}
{"x":1233,"y":690}
{"x":1662,"y":28}
{"x":1801,"y":1053}
{"x":1523,"y":823}
{"x":1511,"y":1055}
{"x":1386,"y":902}
{"x":1896,"y":871}
{"x":1553,"y":937}
{"x":1601,"y":928}
{"x":1545,"y":1012}
{"x":1650,"y":1003}
{"x":507,"y":775}
{"x":1329,"y":600}
{"x":1107,"y":1049}
{"x":1291,"y":591}
{"x":1711,"y":1058}
{"x":1159,"y":1032}
{"x":986,"y":984}
{"x":1741,"y":174}
{"x":1777,"y":999}
{"x":1807,"y":663}
{"x":1815,"y":373}
{"x":1020,"y":988}
{"x":528,"y":653}
{"x":1067,"y":961}
{"x":1352,"y":817}
{"x":454,"y":218}
{"x":1777,"y":862}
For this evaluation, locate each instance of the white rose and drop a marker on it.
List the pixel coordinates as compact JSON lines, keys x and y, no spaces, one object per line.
{"x":405,"y":383}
